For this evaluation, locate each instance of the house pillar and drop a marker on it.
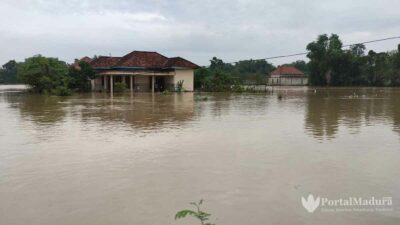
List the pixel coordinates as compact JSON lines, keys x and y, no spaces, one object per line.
{"x":131,"y":82}
{"x":111,"y":84}
{"x":152,"y":83}
{"x":105,"y":82}
{"x":92,"y":83}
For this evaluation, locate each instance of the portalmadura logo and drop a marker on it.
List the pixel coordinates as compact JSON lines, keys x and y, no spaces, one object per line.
{"x":350,"y":204}
{"x":310,"y":204}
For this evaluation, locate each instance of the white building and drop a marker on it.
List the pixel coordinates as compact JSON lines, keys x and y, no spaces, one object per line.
{"x":287,"y":76}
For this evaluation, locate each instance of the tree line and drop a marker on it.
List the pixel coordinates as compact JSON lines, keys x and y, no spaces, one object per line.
{"x":48,"y":75}
{"x":329,"y":64}
{"x":332,"y":65}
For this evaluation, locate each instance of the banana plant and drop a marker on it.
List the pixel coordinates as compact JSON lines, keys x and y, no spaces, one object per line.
{"x":179,"y":86}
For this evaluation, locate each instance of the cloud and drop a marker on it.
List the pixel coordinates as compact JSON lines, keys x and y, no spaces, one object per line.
{"x":197,"y":30}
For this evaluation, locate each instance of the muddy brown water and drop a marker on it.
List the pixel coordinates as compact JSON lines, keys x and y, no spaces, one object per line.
{"x":137,"y":159}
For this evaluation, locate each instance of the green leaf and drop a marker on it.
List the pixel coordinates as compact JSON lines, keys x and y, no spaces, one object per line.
{"x":184,"y":213}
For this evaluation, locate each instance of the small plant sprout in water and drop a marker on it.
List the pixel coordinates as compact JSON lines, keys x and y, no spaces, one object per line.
{"x":203,"y":217}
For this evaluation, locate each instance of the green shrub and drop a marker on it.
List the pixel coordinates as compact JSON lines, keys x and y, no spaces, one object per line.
{"x":237,"y":88}
{"x":120,"y":87}
{"x":79,"y":77}
{"x":61,"y":91}
{"x":43,"y":74}
{"x":166,"y":92}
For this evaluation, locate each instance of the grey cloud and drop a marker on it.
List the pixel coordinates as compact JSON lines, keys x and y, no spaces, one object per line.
{"x":198,"y":30}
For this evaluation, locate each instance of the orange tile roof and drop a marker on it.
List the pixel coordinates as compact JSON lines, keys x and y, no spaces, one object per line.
{"x":142,"y":59}
{"x":104,"y":61}
{"x":180,"y":62}
{"x":86,"y":59}
{"x":287,"y":70}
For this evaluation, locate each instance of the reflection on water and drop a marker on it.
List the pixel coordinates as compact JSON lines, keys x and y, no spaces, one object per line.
{"x":137,"y":159}
{"x":329,"y":109}
{"x":325,"y":109}
{"x":142,"y":111}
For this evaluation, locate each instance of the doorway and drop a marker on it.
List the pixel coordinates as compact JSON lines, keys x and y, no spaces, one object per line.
{"x":159,"y":84}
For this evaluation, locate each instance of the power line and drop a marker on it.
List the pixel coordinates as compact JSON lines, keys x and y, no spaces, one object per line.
{"x":305,"y":53}
{"x":377,"y":40}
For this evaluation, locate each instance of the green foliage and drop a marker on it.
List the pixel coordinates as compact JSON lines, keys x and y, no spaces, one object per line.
{"x":252,"y":71}
{"x":220,"y":76}
{"x":120,"y":87}
{"x":179,"y":86}
{"x":166,"y":92}
{"x":331,"y":65}
{"x":61,"y":91}
{"x":44,"y":75}
{"x":301,"y":65}
{"x":8,"y":74}
{"x":80,"y":77}
{"x":323,"y":55}
{"x":219,"y":82}
{"x":198,"y":214}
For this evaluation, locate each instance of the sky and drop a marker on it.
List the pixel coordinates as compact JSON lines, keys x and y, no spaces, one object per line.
{"x":194,"y":29}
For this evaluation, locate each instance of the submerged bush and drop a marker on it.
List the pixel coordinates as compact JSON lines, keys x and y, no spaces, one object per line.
{"x":43,"y":74}
{"x":120,"y":87}
{"x":80,"y":76}
{"x":61,"y":91}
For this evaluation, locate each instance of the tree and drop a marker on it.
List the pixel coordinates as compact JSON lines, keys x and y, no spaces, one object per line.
{"x":80,"y":76}
{"x":9,"y":73}
{"x":200,"y":76}
{"x":44,"y":75}
{"x":1,"y":76}
{"x":217,"y":64}
{"x":252,"y":71}
{"x":221,"y":76}
{"x":376,"y":69}
{"x":319,"y":60}
{"x":394,"y":61}
{"x":301,"y":65}
{"x":357,"y":50}
{"x":331,"y":65}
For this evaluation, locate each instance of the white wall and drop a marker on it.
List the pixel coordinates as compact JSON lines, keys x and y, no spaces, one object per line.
{"x":187,"y":76}
{"x":288,"y":81}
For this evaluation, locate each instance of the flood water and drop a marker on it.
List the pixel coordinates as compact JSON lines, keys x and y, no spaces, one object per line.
{"x":138,"y":159}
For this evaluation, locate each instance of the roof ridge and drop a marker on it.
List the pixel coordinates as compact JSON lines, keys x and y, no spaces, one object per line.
{"x":108,"y":56}
{"x":143,"y":51}
{"x":144,"y":59}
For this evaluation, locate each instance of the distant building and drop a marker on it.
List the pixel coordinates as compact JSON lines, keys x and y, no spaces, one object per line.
{"x":287,"y":76}
{"x":143,"y":71}
{"x":84,"y":59}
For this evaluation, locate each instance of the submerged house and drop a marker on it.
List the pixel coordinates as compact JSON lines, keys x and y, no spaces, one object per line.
{"x":143,"y":71}
{"x":287,"y":76}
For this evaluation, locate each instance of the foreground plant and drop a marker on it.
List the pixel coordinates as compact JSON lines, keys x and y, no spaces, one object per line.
{"x":179,"y":86}
{"x":198,"y":214}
